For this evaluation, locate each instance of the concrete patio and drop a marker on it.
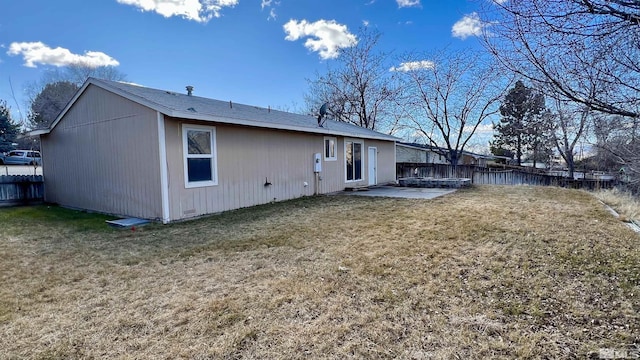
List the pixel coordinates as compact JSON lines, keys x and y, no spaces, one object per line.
{"x":400,"y":192}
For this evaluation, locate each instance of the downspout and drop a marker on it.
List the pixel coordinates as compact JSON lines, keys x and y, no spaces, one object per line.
{"x":164,"y":174}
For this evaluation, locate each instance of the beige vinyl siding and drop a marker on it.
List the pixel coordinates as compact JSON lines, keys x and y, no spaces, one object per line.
{"x":103,"y":156}
{"x":386,"y":170}
{"x":249,"y":157}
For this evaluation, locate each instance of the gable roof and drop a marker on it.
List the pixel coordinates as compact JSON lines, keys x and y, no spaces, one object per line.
{"x":199,"y":108}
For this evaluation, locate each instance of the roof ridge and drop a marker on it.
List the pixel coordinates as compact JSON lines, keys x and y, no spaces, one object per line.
{"x":179,"y":105}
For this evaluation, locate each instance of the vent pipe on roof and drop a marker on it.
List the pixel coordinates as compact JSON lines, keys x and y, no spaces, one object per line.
{"x":189,"y":90}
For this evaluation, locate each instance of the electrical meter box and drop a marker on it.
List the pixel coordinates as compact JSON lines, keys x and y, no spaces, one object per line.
{"x":317,"y":162}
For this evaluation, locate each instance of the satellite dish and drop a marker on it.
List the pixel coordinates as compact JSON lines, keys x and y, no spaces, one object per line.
{"x":323,"y":112}
{"x":323,"y":109}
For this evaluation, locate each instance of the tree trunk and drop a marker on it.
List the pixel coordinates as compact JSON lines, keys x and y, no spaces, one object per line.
{"x":519,"y":150}
{"x":570,"y":163}
{"x":453,"y":158}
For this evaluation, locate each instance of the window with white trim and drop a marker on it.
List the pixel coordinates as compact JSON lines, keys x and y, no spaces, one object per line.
{"x":330,"y":149}
{"x":353,"y":160}
{"x":199,"y":149}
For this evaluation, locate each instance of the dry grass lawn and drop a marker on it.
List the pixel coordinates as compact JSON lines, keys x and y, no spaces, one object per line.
{"x":491,"y":272}
{"x":625,"y":204}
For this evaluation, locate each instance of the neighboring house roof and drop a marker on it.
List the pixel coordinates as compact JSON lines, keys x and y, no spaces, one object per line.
{"x":441,"y":150}
{"x":198,"y":108}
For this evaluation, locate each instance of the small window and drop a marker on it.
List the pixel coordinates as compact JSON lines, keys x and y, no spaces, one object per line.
{"x":199,"y":148}
{"x":330,"y":146}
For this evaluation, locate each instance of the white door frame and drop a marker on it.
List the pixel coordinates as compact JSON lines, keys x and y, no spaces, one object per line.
{"x":372,"y":167}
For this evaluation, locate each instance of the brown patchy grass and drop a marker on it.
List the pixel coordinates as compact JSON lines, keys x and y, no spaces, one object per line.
{"x":491,"y":272}
{"x":625,"y":204}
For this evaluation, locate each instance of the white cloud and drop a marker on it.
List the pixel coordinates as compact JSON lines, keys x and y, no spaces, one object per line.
{"x":469,"y":25}
{"x":265,"y":3}
{"x":499,"y":1}
{"x":270,"y":4}
{"x":196,"y":10}
{"x":38,"y":53}
{"x":481,"y":129}
{"x":272,"y":14}
{"x":408,"y":3}
{"x":414,"y":65}
{"x":324,"y":37}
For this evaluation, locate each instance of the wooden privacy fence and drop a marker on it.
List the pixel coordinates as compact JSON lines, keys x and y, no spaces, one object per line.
{"x":438,"y":171}
{"x":21,"y":189}
{"x":487,"y":176}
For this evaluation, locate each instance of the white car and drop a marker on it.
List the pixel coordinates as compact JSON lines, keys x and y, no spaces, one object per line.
{"x":21,"y":157}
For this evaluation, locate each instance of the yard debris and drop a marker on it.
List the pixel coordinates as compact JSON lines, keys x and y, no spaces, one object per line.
{"x":128,"y":223}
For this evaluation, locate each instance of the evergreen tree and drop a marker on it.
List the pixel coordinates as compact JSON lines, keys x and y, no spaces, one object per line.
{"x":8,"y":129}
{"x":52,"y":92}
{"x":49,"y":103}
{"x":539,"y":137}
{"x":520,"y":125}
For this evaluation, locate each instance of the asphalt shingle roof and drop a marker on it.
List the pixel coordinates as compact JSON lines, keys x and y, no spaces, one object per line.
{"x":199,"y":108}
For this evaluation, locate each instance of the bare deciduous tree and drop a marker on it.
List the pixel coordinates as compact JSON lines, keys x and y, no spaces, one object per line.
{"x":571,"y":123}
{"x":618,"y":145}
{"x":49,"y":95}
{"x":585,"y":51}
{"x":78,"y":74}
{"x":74,"y":74}
{"x":448,"y":96}
{"x":358,"y":87}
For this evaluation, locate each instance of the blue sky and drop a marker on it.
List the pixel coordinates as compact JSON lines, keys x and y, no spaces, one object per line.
{"x":255,"y":52}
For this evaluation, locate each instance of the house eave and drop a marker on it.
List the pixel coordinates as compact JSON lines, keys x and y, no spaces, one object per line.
{"x":259,"y":124}
{"x":38,"y":132}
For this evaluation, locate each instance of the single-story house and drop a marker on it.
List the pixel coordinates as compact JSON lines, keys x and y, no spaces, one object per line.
{"x":129,"y":150}
{"x":426,"y":154}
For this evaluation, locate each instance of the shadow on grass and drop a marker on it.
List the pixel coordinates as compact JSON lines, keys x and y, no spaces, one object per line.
{"x":50,"y":215}
{"x":281,"y":224}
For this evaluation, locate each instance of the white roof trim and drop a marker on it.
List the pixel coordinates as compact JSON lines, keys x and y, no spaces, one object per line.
{"x":38,"y":132}
{"x":235,"y":121}
{"x":201,"y":117}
